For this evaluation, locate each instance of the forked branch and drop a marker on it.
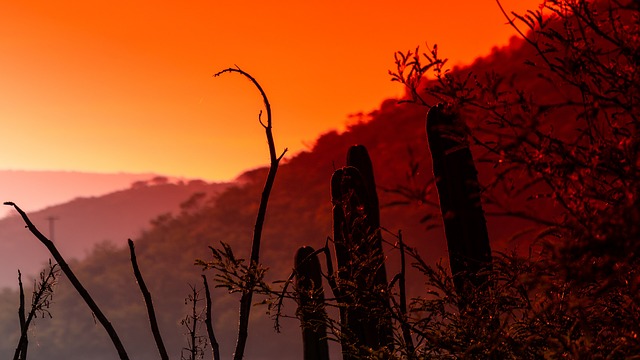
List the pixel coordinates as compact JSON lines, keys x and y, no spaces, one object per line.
{"x":23,"y":343}
{"x":42,"y":293}
{"x":75,"y":282}
{"x":247,"y":294}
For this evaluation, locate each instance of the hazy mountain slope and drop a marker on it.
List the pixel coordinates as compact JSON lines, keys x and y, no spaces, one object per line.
{"x":35,"y":190}
{"x":298,"y":214}
{"x":84,"y":222}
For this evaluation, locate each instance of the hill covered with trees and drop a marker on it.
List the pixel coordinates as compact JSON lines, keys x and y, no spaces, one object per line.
{"x":299,"y":214}
{"x":79,"y":225}
{"x":554,"y":132}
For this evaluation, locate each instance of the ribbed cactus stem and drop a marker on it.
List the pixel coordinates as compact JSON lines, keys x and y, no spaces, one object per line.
{"x":459,"y":192}
{"x":343,"y":244}
{"x":358,"y":157}
{"x":311,"y":311}
{"x":358,"y":245}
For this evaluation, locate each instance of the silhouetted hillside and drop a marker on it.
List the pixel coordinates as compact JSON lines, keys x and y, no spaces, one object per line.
{"x":299,"y":214}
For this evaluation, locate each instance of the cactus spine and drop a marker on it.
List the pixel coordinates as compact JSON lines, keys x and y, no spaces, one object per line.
{"x":459,"y":192}
{"x":311,"y":311}
{"x":358,"y":246}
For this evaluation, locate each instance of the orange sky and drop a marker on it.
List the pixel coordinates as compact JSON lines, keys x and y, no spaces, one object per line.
{"x":110,"y":86}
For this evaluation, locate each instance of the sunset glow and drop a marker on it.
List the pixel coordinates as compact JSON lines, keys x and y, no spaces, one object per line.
{"x":127,"y":86}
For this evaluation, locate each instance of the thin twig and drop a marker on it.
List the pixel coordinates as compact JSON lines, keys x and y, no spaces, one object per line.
{"x":193,"y":330}
{"x":148,"y":302}
{"x":24,"y":341}
{"x":245,"y":300}
{"x":331,"y":275}
{"x":39,"y":300}
{"x":215,"y":347}
{"x":75,"y":282}
{"x":406,"y":331}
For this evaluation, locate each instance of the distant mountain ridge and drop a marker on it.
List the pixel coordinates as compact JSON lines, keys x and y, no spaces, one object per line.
{"x":82,"y":223}
{"x":35,"y":190}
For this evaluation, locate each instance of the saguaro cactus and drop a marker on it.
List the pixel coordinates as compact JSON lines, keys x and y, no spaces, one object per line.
{"x":358,"y":247}
{"x":311,"y":311}
{"x":459,"y":192}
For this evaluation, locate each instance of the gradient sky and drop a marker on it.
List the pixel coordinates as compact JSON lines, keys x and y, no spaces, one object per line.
{"x":112,"y":86}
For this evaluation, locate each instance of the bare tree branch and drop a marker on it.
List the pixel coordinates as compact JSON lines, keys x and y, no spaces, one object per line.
{"x":113,"y":335}
{"x":24,"y":341}
{"x":42,"y":293}
{"x":245,"y":300}
{"x":192,"y":326}
{"x":215,"y":347}
{"x":406,"y":331}
{"x":148,"y":302}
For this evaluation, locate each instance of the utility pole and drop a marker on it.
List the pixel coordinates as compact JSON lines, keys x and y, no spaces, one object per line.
{"x":52,"y":220}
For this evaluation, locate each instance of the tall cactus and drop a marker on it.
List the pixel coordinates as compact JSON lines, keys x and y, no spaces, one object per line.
{"x":347,"y":196}
{"x":311,"y":311}
{"x":358,"y":246}
{"x":459,"y":192}
{"x":358,"y":157}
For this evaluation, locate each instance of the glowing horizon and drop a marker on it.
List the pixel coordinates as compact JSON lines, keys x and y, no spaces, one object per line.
{"x":128,"y":87}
